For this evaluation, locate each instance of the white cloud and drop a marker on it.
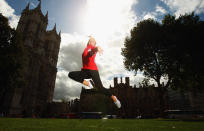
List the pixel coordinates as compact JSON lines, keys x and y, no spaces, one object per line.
{"x":180,"y":7}
{"x":105,"y":19}
{"x":160,"y":9}
{"x":65,"y":87}
{"x":150,"y":15}
{"x":8,"y":11}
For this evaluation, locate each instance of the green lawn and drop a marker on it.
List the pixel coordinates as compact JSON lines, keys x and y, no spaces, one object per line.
{"x":26,"y":124}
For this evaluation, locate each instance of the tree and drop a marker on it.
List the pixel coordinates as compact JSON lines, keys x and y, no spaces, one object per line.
{"x":184,"y":50}
{"x":171,"y":49}
{"x":143,"y":50}
{"x":11,"y":59}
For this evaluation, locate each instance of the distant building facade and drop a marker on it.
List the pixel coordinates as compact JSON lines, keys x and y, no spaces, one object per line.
{"x":140,"y":101}
{"x":186,"y":100}
{"x":135,"y":101}
{"x":42,"y":49}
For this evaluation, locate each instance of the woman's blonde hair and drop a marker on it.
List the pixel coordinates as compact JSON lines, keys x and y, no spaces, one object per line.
{"x":91,"y":39}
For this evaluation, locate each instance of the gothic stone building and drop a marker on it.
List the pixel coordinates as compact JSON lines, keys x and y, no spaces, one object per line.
{"x":42,"y":49}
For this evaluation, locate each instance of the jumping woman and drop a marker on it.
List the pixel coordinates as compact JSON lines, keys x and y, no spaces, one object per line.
{"x":90,"y":70}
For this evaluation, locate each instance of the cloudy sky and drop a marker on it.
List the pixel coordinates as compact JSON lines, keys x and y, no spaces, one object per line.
{"x":109,"y":21}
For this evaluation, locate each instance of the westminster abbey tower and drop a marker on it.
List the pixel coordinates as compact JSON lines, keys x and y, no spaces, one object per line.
{"x":42,"y":49}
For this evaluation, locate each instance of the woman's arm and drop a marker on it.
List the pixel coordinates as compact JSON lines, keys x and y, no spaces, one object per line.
{"x":100,"y":50}
{"x":95,"y":50}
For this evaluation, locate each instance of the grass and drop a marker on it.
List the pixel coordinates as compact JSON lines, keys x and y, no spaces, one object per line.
{"x":27,"y":124}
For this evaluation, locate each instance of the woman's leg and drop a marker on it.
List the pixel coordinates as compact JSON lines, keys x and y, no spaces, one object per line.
{"x":96,"y":78}
{"x":86,"y":74}
{"x":97,"y":81}
{"x":79,"y":76}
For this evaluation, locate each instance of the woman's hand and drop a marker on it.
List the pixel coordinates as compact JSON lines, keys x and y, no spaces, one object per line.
{"x":100,"y":50}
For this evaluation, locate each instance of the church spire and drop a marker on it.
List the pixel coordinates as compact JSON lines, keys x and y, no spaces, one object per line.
{"x":54,"y":29}
{"x":39,"y":5}
{"x":46,"y":16}
{"x":60,"y":33}
{"x":27,"y":7}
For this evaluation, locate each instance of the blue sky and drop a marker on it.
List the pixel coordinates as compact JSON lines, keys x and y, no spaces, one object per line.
{"x":66,"y":13}
{"x":63,"y":12}
{"x":109,"y":21}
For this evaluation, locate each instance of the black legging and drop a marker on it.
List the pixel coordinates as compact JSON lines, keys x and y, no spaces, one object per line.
{"x":79,"y":76}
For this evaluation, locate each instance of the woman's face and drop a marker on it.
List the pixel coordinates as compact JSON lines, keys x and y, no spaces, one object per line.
{"x":92,"y":42}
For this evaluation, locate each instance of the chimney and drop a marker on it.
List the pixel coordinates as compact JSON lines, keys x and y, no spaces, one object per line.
{"x":127,"y":81}
{"x":115,"y":81}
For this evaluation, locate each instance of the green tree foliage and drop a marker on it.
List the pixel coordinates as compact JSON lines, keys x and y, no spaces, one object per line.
{"x":184,"y":49}
{"x":11,"y":58}
{"x":171,"y":49}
